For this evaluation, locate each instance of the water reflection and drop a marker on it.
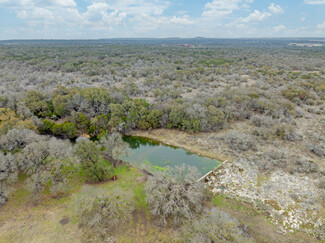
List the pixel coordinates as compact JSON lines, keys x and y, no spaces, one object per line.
{"x":160,"y":155}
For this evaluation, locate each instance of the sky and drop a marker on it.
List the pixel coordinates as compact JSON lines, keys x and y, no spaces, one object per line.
{"x":93,"y":19}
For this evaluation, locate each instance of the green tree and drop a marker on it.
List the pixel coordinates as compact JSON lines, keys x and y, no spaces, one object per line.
{"x":69,"y":130}
{"x":36,"y":102}
{"x":93,"y":165}
{"x":154,"y":118}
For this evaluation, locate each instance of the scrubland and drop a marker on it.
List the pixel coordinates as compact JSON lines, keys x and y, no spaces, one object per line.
{"x":260,"y":105}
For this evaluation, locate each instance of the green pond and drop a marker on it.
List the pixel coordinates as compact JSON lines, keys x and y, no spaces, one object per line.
{"x":144,"y":150}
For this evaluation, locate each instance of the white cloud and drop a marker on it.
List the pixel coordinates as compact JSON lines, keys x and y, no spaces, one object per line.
{"x":16,"y":3}
{"x":245,"y":5}
{"x":135,"y":7}
{"x":315,"y":2}
{"x":146,"y":18}
{"x":36,"y":13}
{"x":256,"y":16}
{"x":100,"y":14}
{"x":321,"y":26}
{"x":303,"y":18}
{"x":96,"y":11}
{"x":64,"y":3}
{"x":38,"y":3}
{"x":219,"y":8}
{"x":279,"y":28}
{"x":181,"y":20}
{"x":275,"y":9}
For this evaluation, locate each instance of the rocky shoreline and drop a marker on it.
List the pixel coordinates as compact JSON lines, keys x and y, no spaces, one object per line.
{"x":291,"y":202}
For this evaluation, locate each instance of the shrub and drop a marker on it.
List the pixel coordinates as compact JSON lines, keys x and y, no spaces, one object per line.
{"x":175,"y":195}
{"x":295,"y":94}
{"x":273,"y":159}
{"x":321,"y":183}
{"x":292,"y":135}
{"x":240,"y":141}
{"x":284,"y":160}
{"x":216,"y":117}
{"x":287,"y":132}
{"x":318,"y":149}
{"x":101,"y":210}
{"x":214,"y":226}
{"x":302,"y":165}
{"x":262,"y":121}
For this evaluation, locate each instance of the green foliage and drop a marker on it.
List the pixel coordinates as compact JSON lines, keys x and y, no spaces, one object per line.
{"x":159,"y":168}
{"x":9,"y":120}
{"x":94,"y":167}
{"x":96,"y":95}
{"x":97,"y":124}
{"x":295,"y":94}
{"x":140,"y":197}
{"x":117,"y":114}
{"x":176,"y":116}
{"x":218,"y":200}
{"x":82,"y":122}
{"x":37,"y":103}
{"x":47,"y":126}
{"x":60,"y":105}
{"x":65,"y":130}
{"x":69,"y":130}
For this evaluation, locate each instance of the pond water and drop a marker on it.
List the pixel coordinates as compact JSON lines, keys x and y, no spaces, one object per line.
{"x":144,"y":150}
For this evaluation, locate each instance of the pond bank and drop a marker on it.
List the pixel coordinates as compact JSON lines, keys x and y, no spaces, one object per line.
{"x":193,"y":143}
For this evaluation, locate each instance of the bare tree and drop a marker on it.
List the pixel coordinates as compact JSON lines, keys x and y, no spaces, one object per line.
{"x":114,"y":147}
{"x":175,"y":195}
{"x":8,"y":173}
{"x":44,"y":161}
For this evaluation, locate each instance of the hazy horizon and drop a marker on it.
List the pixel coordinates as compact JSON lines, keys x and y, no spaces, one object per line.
{"x":166,"y":38}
